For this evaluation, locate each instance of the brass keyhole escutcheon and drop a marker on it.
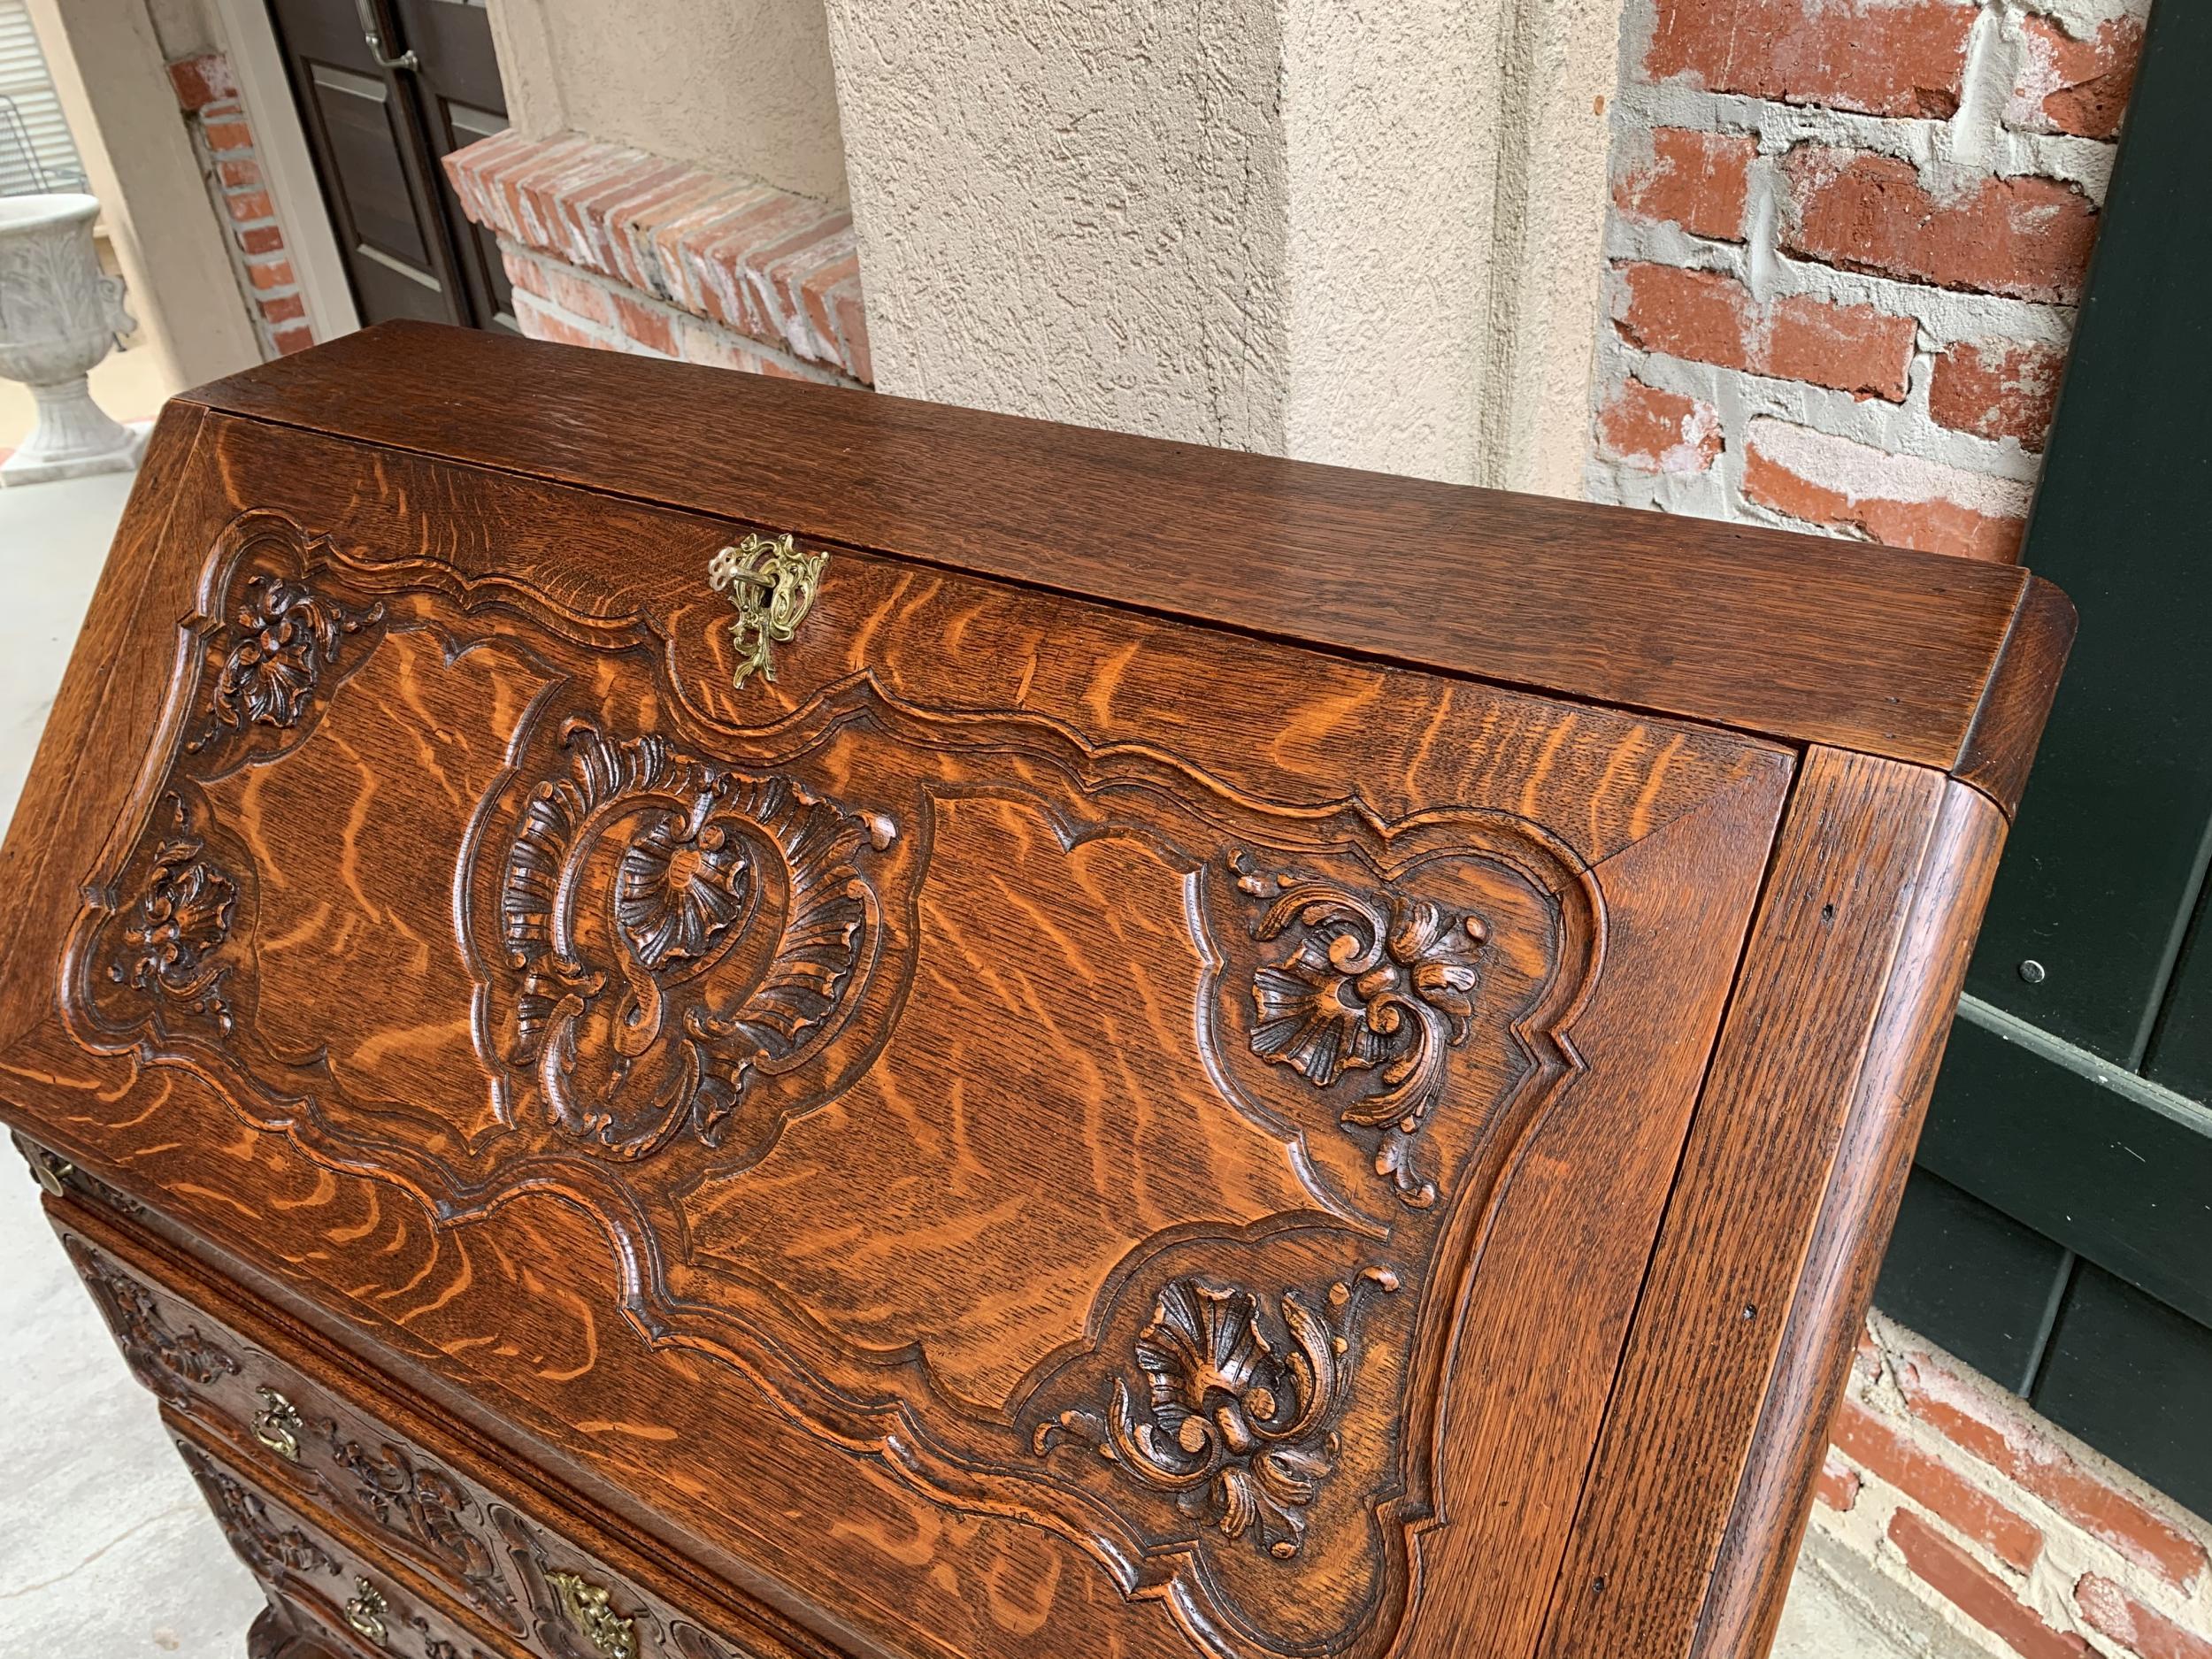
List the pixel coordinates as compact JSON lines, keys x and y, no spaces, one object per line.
{"x":278,"y":1424}
{"x":595,"y":1621}
{"x":772,"y":585}
{"x":364,"y":1612}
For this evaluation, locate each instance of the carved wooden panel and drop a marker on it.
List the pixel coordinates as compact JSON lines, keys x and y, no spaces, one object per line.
{"x":271,"y":1549}
{"x":1049,"y":1127}
{"x":713,"y":986}
{"x":1094,"y":1119}
{"x":169,"y":1357}
{"x":311,"y":1572}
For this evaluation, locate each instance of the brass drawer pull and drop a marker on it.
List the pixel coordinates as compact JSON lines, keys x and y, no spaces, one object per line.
{"x":278,"y":1424}
{"x":366,"y":1611}
{"x":586,"y":1605}
{"x":772,"y":585}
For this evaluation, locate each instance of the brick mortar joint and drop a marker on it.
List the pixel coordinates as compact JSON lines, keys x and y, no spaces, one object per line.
{"x":766,"y":264}
{"x":2070,"y":1554}
{"x":612,"y":337}
{"x":1977,"y":143}
{"x":210,"y":72}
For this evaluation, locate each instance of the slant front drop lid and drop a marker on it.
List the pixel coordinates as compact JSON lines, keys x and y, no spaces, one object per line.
{"x":677,"y":1016}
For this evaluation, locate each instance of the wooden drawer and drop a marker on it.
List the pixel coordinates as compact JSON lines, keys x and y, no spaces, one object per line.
{"x":375,"y":1601}
{"x":256,"y":1423}
{"x":356,"y":1603}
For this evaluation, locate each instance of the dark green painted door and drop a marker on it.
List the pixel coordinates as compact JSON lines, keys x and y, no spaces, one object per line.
{"x":2057,"y":1231}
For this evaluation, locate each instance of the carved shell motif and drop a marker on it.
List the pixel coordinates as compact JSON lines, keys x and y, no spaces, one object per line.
{"x":1235,"y":1425}
{"x":677,"y":925}
{"x":1383,"y":983}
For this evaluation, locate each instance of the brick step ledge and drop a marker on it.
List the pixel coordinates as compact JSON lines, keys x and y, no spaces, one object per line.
{"x":771,"y":266}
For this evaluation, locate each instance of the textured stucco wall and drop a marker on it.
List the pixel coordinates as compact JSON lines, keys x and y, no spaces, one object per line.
{"x":1391,"y":167}
{"x":1360,"y":233}
{"x":1448,"y":204}
{"x":1365,"y":233}
{"x":183,"y":28}
{"x":1556,"y":73}
{"x":1074,"y":211}
{"x":740,"y":87}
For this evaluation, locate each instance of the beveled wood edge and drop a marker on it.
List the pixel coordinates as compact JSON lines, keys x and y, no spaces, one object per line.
{"x":530,"y":1475}
{"x":1988,"y":746}
{"x":1866,"y":1180}
{"x":104,"y":643}
{"x":2000,"y":744}
{"x":1741,"y":1561}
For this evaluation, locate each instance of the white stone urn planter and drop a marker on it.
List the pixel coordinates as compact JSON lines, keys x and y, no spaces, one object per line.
{"x":59,"y":314}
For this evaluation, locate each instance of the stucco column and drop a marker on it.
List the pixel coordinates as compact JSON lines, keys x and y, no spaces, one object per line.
{"x":1076,"y":211}
{"x":1366,"y":233}
{"x":739,"y":88}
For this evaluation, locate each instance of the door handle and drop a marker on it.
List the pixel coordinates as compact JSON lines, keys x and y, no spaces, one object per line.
{"x":368,"y":32}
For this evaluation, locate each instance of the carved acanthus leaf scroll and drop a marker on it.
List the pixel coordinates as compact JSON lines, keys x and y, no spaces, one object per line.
{"x":419,"y":1501}
{"x":268,"y":1549}
{"x":280,"y":647}
{"x":173,"y":935}
{"x":166,"y":1360}
{"x":1382,"y":982}
{"x":1234,"y":1424}
{"x":676,"y":923}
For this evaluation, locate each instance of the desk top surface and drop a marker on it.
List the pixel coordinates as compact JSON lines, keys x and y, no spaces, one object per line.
{"x":1937,"y":661}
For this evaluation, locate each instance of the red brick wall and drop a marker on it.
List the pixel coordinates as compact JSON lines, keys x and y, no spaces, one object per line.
{"x":1846,"y":242}
{"x":224,"y":140}
{"x":2003,"y":1527}
{"x":614,"y":248}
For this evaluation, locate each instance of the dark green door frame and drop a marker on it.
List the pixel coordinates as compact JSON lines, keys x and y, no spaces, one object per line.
{"x":2057,"y":1231}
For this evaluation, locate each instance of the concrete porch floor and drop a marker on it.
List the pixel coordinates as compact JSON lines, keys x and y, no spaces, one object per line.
{"x":106,"y":1550}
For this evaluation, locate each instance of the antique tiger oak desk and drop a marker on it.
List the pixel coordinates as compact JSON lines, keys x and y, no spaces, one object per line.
{"x":1231,"y":1058}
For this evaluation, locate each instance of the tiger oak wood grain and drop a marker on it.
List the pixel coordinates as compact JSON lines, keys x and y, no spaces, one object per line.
{"x":1764,"y":1264}
{"x":1861,"y":647}
{"x":1054,"y":1126}
{"x":1873,"y":1153}
{"x":275,"y":861}
{"x":104,"y":656}
{"x":406,"y":1494}
{"x":1481,"y":741}
{"x":328,"y":1382}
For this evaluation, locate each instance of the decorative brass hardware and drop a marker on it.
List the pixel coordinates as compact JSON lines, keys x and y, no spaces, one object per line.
{"x":61,"y":1179}
{"x":278,"y":1424}
{"x":772,"y":585}
{"x":365,"y":1611}
{"x":586,"y":1605}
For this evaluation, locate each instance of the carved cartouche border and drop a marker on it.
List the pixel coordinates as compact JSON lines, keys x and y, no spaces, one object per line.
{"x":1340,"y":855}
